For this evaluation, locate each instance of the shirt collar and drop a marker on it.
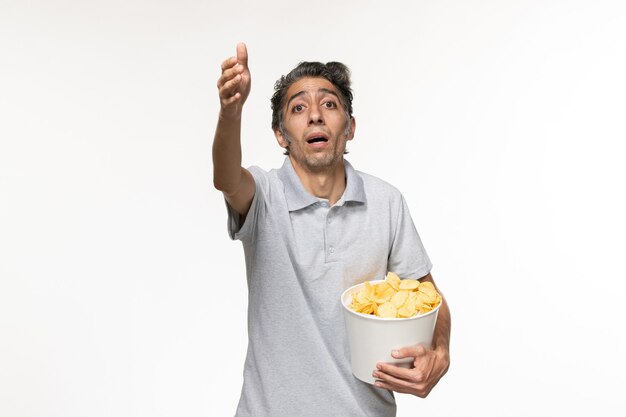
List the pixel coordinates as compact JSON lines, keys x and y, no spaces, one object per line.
{"x":298,"y":197}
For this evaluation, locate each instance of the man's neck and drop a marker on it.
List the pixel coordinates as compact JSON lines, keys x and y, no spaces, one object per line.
{"x":329,"y":184}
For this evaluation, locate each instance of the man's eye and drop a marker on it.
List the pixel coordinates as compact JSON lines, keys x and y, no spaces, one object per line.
{"x":330,"y":105}
{"x":298,"y":108}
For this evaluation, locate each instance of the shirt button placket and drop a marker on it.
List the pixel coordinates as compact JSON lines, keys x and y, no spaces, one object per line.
{"x":330,"y":252}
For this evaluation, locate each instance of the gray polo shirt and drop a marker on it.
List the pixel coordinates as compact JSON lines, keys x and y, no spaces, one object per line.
{"x":301,"y":254}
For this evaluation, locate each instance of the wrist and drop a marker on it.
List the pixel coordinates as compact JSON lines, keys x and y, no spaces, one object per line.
{"x":230,"y":115}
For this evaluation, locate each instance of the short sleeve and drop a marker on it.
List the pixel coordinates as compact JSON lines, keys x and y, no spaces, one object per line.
{"x":240,"y":228}
{"x":407,"y":257}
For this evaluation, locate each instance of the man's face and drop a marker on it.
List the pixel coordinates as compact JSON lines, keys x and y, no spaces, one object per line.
{"x":316,"y":125}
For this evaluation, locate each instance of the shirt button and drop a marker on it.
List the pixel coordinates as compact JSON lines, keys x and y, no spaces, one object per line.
{"x":332,"y":250}
{"x":330,"y":221}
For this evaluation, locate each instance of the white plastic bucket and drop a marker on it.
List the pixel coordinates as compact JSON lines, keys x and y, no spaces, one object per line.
{"x":372,"y":338}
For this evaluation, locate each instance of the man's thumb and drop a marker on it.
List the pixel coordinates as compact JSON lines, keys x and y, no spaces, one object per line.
{"x":242,"y":54}
{"x":409,"y":352}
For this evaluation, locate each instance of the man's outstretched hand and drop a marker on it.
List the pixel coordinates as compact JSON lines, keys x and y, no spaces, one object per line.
{"x":234,"y":84}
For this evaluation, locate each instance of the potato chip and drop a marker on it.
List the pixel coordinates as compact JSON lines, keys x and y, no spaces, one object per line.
{"x":369,"y":308}
{"x":384,"y":293}
{"x":393,"y":280}
{"x":424,"y":308}
{"x":399,"y":298}
{"x":419,"y":298}
{"x":409,"y":284}
{"x":438,"y":300}
{"x":396,"y":298}
{"x":362,"y":298}
{"x":407,"y":310}
{"x":427,"y":288}
{"x":387,"y":310}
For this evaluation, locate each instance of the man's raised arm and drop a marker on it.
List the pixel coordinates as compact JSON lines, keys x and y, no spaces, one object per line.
{"x":229,"y":177}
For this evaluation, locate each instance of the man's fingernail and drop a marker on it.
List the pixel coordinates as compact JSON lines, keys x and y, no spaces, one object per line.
{"x":379,"y":366}
{"x":395,"y":352}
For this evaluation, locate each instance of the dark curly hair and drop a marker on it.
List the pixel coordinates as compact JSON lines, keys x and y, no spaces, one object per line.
{"x":335,"y":72}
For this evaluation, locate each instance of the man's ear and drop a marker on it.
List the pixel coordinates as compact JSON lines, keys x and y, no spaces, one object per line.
{"x":352,"y":128}
{"x":280,"y":138}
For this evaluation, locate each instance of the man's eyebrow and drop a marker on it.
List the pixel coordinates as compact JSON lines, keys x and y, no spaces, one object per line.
{"x":298,"y":94}
{"x":321,"y":90}
{"x":327,"y":91}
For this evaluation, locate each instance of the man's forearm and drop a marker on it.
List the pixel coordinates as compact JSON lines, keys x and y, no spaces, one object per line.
{"x":227,"y":153}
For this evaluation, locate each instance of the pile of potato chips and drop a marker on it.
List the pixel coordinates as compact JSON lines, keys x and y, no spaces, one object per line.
{"x":396,"y":298}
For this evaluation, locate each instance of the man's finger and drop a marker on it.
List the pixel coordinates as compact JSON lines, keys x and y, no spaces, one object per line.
{"x":229,"y":101}
{"x":391,"y":387}
{"x":391,"y":379}
{"x":229,"y":62}
{"x":396,"y":371}
{"x":409,"y":352}
{"x":230,"y":87}
{"x":242,"y":54}
{"x":229,"y":74}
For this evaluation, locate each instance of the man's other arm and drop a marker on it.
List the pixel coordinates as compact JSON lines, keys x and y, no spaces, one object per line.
{"x":429,"y":365}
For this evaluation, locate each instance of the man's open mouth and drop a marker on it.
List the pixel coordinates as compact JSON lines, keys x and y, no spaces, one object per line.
{"x":317,"y":139}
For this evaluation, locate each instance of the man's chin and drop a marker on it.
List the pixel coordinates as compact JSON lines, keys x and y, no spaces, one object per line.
{"x":323,"y":162}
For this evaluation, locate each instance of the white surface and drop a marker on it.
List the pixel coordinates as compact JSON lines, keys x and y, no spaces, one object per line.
{"x":500,"y":121}
{"x":371,"y":339}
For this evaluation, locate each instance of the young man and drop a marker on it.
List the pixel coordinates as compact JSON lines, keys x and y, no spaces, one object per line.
{"x":310,"y":230}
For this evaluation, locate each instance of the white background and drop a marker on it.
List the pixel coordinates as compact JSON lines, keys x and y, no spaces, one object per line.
{"x":502,"y":122}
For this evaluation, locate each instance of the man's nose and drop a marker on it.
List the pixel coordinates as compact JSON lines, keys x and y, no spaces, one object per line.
{"x":315,"y":115}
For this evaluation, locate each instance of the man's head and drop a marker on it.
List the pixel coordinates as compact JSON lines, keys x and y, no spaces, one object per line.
{"x":312,"y":114}
{"x":335,"y":72}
